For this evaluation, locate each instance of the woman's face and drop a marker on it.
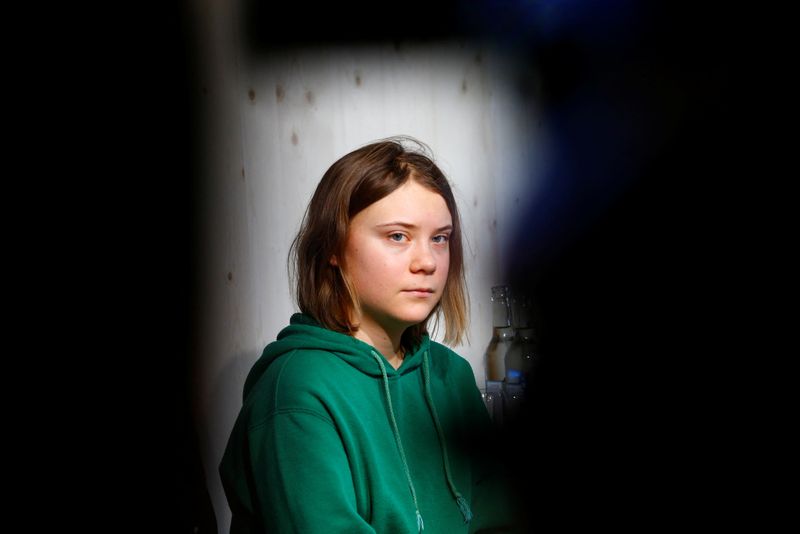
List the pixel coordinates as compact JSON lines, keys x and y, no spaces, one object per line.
{"x":397,"y":257}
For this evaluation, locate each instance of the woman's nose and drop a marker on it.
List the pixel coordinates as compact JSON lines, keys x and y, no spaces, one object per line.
{"x":423,"y":260}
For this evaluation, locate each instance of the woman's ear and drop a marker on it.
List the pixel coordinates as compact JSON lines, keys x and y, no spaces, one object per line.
{"x":334,"y":261}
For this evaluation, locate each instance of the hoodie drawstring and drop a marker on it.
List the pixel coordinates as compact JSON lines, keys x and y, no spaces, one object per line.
{"x":460,"y":500}
{"x":420,"y":524}
{"x":463,"y":506}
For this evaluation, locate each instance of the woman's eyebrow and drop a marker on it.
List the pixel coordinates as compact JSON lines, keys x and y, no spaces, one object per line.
{"x":413,"y":226}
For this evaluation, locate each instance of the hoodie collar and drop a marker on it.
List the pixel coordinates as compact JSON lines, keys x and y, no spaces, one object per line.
{"x":305,"y":333}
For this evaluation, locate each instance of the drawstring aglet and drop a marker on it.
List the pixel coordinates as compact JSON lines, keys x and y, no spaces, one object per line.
{"x":464,"y":507}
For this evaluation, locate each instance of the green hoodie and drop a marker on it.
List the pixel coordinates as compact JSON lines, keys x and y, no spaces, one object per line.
{"x":331,"y":438}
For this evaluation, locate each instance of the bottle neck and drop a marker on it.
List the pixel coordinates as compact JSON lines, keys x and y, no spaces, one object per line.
{"x":503,"y":333}
{"x":501,"y":313}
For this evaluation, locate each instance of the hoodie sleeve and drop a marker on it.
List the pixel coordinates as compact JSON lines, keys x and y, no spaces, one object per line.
{"x":302,"y":476}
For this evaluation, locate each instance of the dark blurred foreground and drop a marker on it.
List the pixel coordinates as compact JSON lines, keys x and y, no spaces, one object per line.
{"x":632,"y":253}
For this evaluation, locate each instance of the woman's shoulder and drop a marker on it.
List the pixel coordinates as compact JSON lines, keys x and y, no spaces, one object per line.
{"x":299,"y":367}
{"x":449,"y":361}
{"x":441,"y":351}
{"x":292,"y":380}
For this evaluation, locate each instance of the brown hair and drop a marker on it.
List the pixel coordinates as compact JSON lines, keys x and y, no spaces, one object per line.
{"x":352,"y":183}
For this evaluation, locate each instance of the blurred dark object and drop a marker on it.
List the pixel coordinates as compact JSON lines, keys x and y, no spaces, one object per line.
{"x":195,"y":511}
{"x":625,"y":252}
{"x":275,"y":24}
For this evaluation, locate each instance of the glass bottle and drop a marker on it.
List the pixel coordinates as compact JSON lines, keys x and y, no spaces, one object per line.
{"x":502,"y":334}
{"x":495,"y":356}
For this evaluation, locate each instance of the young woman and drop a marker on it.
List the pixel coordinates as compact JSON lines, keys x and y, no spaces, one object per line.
{"x":353,"y":419}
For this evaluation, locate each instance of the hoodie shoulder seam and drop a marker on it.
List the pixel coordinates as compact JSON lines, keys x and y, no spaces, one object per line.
{"x":285,"y":411}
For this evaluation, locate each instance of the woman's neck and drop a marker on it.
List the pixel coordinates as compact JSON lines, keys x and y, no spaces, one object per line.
{"x":388,"y":344}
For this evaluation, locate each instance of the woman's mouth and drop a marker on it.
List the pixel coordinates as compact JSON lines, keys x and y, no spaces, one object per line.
{"x":419,"y":291}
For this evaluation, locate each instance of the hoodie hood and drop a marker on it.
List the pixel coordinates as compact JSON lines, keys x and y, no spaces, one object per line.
{"x":304,"y":332}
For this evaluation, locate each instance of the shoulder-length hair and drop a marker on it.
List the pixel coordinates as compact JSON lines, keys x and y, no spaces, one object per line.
{"x":352,"y":183}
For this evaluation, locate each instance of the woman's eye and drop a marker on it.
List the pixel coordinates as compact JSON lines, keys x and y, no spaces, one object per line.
{"x":396,"y":237}
{"x":441,"y":238}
